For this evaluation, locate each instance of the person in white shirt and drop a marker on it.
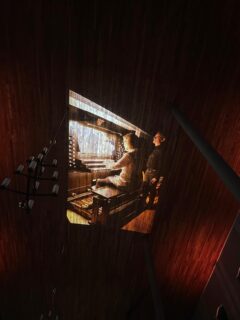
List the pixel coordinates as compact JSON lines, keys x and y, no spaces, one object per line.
{"x":129,"y":165}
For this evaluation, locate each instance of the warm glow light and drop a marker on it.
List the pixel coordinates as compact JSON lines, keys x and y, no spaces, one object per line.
{"x":84,"y":104}
{"x":76,"y":218}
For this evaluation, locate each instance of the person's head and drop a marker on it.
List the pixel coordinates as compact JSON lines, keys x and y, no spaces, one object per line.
{"x":129,"y":141}
{"x":158,"y":138}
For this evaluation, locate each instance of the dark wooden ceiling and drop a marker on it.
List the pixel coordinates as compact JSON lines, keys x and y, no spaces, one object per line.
{"x":134,"y":58}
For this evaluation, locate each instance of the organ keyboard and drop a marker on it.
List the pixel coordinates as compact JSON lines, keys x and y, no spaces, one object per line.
{"x":96,"y":165}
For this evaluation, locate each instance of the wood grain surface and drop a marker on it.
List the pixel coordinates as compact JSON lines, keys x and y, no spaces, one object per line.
{"x":134,"y":58}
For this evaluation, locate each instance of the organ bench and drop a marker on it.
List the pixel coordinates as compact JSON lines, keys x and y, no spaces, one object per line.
{"x":110,"y":202}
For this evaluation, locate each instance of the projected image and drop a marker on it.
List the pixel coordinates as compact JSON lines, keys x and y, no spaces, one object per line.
{"x":107,"y":161}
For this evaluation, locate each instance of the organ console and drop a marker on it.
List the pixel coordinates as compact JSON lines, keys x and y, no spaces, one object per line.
{"x":89,"y":164}
{"x":85,"y":167}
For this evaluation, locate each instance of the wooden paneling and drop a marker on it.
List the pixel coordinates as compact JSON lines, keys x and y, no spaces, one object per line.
{"x":223,"y":286}
{"x":133,"y":58}
{"x":32,"y":103}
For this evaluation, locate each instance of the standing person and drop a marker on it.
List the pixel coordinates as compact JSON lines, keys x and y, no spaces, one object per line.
{"x":129,"y":164}
{"x":152,"y":174}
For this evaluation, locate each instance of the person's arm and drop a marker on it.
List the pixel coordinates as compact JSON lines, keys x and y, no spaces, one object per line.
{"x":124,"y":161}
{"x":156,"y":176}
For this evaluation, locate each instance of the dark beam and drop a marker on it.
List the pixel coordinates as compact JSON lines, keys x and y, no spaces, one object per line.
{"x":224,"y":171}
{"x":153,"y":282}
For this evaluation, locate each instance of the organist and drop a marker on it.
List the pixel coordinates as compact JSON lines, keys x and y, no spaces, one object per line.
{"x":130,"y":175}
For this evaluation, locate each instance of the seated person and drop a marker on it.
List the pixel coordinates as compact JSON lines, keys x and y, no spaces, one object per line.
{"x":129,"y":164}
